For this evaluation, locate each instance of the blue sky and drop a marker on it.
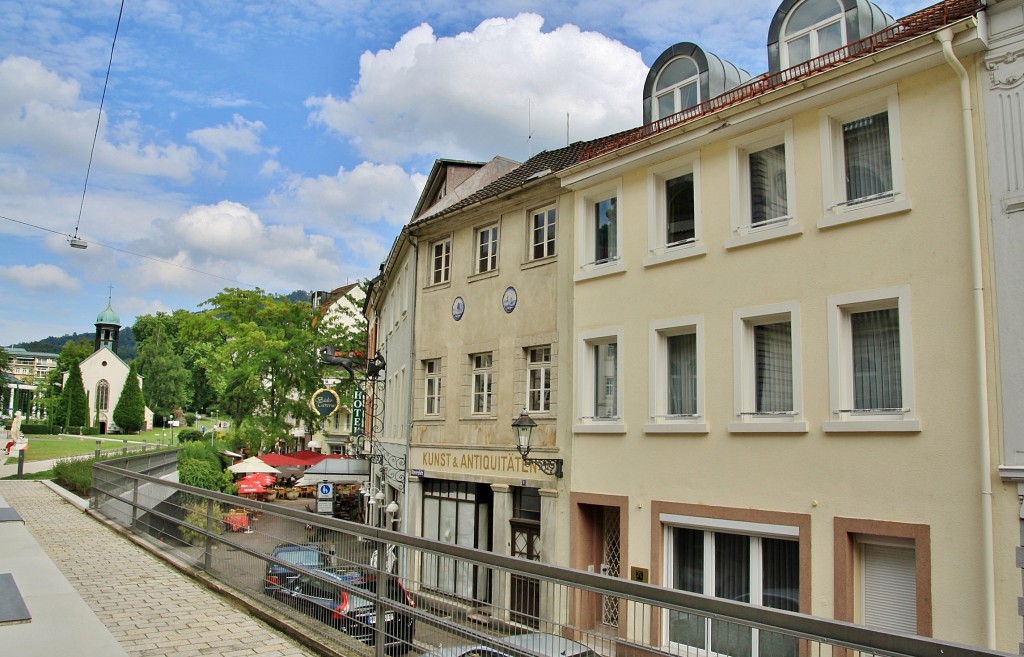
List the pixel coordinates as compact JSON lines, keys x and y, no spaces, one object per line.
{"x":282,"y":144}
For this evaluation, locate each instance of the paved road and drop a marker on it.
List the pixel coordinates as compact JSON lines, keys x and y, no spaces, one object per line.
{"x":148,"y":607}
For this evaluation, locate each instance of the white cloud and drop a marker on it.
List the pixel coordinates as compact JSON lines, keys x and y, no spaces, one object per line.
{"x":480,"y":93}
{"x":240,"y":135}
{"x":369,"y":193}
{"x":43,"y":113}
{"x":39,"y":278}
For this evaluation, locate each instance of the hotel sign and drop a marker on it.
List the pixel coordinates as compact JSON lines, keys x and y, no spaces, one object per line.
{"x":358,"y":411}
{"x":324,"y":402}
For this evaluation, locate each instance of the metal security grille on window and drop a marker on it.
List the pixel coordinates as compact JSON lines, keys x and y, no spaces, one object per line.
{"x":611,"y":564}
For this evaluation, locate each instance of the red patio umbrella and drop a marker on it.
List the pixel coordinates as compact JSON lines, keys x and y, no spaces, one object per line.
{"x":251,"y":488}
{"x":264,"y":478}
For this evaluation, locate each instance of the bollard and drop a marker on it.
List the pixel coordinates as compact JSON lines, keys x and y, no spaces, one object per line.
{"x":124,"y":448}
{"x":21,"y":462}
{"x":97,"y":449}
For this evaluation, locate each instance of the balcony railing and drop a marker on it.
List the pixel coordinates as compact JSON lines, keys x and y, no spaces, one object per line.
{"x":456,"y":595}
{"x":927,"y":20}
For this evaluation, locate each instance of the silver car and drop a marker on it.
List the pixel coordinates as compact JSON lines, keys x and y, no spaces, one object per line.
{"x":532,"y":644}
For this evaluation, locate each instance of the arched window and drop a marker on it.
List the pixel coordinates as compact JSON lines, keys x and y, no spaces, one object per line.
{"x":813,"y":28}
{"x":677,"y":87}
{"x":102,"y":395}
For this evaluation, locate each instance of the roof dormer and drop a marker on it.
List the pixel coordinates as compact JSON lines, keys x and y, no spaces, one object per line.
{"x":685,"y":76}
{"x":804,"y":29}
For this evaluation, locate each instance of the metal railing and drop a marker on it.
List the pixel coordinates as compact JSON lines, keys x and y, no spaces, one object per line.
{"x":924,"y":21}
{"x":322,"y":575}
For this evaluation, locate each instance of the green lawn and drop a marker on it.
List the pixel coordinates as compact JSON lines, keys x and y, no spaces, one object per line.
{"x":45,"y":447}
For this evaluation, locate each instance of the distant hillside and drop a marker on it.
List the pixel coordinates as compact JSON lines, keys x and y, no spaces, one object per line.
{"x":126,"y":347}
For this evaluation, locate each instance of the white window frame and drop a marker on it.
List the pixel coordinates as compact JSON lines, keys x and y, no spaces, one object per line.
{"x":545,"y":369}
{"x":837,"y":208}
{"x":440,"y":275}
{"x":548,"y":234}
{"x":586,"y":382}
{"x":841,"y":363}
{"x":586,"y":202}
{"x":812,"y":32}
{"x":753,"y":531}
{"x":659,"y":250}
{"x":485,"y":253}
{"x":747,"y":420}
{"x":743,"y":233}
{"x":660,"y":421}
{"x":432,"y":387}
{"x":675,"y":90}
{"x":482,"y":367}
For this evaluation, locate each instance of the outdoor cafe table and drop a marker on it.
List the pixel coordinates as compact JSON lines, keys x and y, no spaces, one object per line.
{"x":236,"y":521}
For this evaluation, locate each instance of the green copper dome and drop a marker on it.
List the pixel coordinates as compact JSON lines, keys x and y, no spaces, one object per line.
{"x":108,"y":316}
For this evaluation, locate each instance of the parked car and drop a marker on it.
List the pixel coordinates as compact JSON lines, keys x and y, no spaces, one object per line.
{"x":278,"y":577}
{"x":351,"y":612}
{"x":531,"y":644}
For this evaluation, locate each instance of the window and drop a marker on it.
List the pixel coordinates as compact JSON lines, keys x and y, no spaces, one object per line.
{"x":600,"y":240}
{"x":487,"y":249}
{"x":677,"y":377}
{"x":871,"y":375}
{"x":886,"y":574}
{"x":674,"y":228}
{"x":677,"y":87}
{"x":543,"y":234}
{"x":767,"y":378}
{"x":815,"y":27}
{"x":482,"y":383}
{"x":605,"y":223}
{"x":432,"y":386}
{"x":601,"y":394}
{"x":102,"y":395}
{"x":756,"y":563}
{"x":440,"y":261}
{"x":538,"y":375}
{"x":763,"y":175}
{"x":861,"y":157}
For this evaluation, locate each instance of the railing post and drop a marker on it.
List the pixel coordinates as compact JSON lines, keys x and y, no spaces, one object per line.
{"x":135,"y":502}
{"x":208,"y":549}
{"x":380,"y":628}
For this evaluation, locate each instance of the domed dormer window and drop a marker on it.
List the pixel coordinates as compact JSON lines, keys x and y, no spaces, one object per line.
{"x":677,"y":87}
{"x":683,"y":77}
{"x":804,"y":29}
{"x":813,"y":28}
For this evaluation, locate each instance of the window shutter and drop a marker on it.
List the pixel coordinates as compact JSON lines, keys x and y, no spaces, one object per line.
{"x":890,"y":588}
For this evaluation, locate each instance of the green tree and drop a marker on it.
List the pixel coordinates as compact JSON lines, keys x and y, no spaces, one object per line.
{"x":130,"y":412}
{"x":164,"y":375}
{"x":74,"y":402}
{"x":269,"y":357}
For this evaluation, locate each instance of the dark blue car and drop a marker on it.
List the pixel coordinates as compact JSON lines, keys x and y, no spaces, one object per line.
{"x":280,"y":577}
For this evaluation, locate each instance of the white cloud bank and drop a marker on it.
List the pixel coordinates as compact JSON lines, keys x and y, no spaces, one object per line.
{"x":480,"y":93}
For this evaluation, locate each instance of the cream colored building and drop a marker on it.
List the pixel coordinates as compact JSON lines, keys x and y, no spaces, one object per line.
{"x":780,"y":326}
{"x":492,"y":301}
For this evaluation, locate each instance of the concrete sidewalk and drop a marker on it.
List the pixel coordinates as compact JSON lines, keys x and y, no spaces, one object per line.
{"x":93,"y":593}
